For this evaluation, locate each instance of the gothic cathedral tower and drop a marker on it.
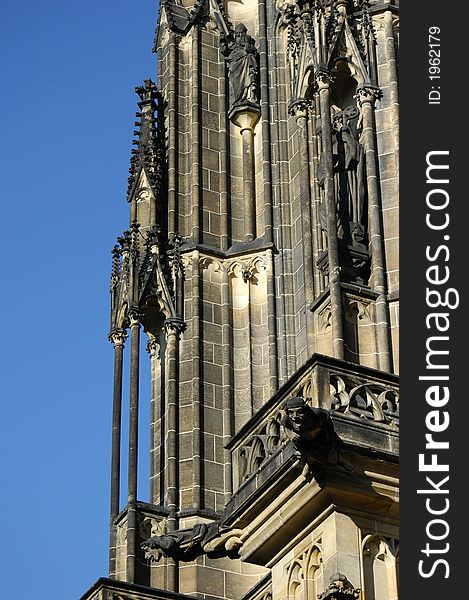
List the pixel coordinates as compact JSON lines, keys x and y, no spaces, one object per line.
{"x":261,"y":264}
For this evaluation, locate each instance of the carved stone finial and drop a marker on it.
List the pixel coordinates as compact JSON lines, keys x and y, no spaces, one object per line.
{"x":148,"y":91}
{"x":116,"y":265}
{"x":154,"y":239}
{"x":149,"y":151}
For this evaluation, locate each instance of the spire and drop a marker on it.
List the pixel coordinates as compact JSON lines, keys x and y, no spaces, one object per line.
{"x":148,"y":154}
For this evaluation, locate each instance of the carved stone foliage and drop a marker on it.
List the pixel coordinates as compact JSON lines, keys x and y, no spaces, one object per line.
{"x":373,"y":401}
{"x":186,"y":544}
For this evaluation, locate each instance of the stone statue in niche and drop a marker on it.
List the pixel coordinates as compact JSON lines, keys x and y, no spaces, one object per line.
{"x":348,"y":159}
{"x":350,"y":176}
{"x":186,"y":544}
{"x":241,"y":56}
{"x":312,"y":432}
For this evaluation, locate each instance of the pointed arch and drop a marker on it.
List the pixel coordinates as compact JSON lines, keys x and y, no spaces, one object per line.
{"x":379,"y":568}
{"x":314,"y":572}
{"x":296,"y":581}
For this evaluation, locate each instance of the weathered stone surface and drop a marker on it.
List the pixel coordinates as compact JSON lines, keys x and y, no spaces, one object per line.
{"x":262,"y":262}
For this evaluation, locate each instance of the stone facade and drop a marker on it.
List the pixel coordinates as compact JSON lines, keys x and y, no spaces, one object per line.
{"x":262,"y":265}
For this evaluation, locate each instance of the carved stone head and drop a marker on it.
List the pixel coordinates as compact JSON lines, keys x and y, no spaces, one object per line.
{"x":295,"y":414}
{"x":240,"y":30}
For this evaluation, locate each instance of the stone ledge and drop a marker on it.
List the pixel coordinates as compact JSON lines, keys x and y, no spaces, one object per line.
{"x":111,"y":589}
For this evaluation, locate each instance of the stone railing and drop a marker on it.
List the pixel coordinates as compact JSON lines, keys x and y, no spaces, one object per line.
{"x":350,"y":392}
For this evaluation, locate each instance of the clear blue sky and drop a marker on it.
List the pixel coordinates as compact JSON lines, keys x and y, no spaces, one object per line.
{"x":67,"y":109}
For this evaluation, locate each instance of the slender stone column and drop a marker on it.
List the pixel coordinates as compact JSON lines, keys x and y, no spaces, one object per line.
{"x":172,"y":136}
{"x":173,"y":329}
{"x":323,"y":83}
{"x":153,"y":349}
{"x":265,"y":110}
{"x":227,"y":374}
{"x":393,"y":81}
{"x":272,"y":324}
{"x":300,"y":110}
{"x":287,"y":350}
{"x":248,"y":186}
{"x":367,"y":96}
{"x":318,"y":246}
{"x":132,"y":534}
{"x":224,"y":164}
{"x":117,"y":337}
{"x":246,"y":121}
{"x":196,"y":404}
{"x":195,"y":149}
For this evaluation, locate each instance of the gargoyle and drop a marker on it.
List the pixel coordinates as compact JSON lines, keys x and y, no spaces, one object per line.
{"x":312,"y":432}
{"x":186,"y":544}
{"x":340,"y":588}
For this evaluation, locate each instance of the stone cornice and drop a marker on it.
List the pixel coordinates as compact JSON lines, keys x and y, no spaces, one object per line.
{"x":105,"y":587}
{"x":237,"y":249}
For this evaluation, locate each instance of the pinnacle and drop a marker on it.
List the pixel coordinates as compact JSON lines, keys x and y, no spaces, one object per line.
{"x":147,"y":152}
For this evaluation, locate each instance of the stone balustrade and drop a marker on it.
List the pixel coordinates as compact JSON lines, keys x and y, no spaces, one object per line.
{"x":364,"y":405}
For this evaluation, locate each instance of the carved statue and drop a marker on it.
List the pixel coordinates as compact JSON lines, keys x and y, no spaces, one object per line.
{"x":241,"y":56}
{"x":312,"y":432}
{"x":349,"y":176}
{"x":187,"y":544}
